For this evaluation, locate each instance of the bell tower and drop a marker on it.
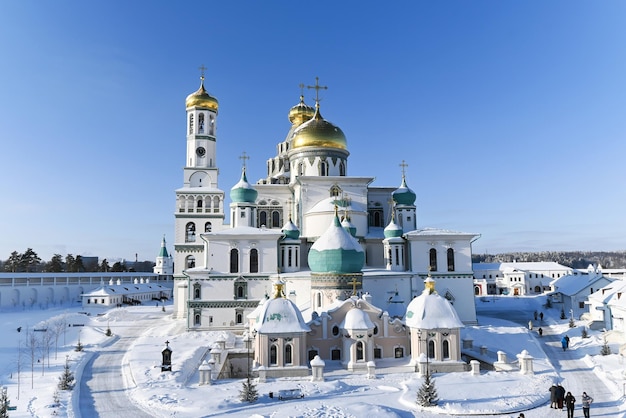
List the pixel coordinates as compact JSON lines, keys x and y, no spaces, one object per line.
{"x":199,"y":203}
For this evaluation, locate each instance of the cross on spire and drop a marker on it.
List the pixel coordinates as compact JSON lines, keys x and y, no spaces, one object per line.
{"x":317,"y":88}
{"x":243,"y":158}
{"x":202,"y":69}
{"x":404,"y":166}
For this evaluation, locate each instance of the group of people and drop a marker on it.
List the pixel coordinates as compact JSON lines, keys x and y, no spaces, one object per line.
{"x":559,"y":399}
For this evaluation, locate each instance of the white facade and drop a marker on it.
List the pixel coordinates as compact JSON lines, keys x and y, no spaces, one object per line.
{"x":517,"y":278}
{"x":223,"y":271}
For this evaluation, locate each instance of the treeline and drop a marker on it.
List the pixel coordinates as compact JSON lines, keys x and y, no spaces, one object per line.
{"x":573,"y":259}
{"x":30,"y":262}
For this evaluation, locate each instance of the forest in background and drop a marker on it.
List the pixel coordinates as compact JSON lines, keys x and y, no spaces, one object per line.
{"x":573,"y":259}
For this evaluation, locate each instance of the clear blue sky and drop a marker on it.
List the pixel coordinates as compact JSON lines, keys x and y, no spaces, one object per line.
{"x":510,"y":114}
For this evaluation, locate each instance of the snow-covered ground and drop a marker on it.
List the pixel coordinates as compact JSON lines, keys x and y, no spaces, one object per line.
{"x":391,"y":394}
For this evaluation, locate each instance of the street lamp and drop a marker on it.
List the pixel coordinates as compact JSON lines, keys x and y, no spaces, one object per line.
{"x":428,"y":338}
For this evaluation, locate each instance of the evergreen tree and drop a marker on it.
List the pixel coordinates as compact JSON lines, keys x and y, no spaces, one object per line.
{"x":562,"y":314}
{"x":104,"y":266}
{"x":4,"y":403}
{"x":583,"y":333}
{"x":55,"y":265}
{"x":606,"y":348}
{"x":66,"y":380}
{"x":29,"y":261}
{"x":427,"y":393}
{"x":79,"y":264}
{"x":572,"y":324}
{"x":13,"y":262}
{"x":248,"y":392}
{"x":70,"y":263}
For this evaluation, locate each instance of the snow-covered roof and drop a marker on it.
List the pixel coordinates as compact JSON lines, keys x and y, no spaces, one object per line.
{"x":127,"y":289}
{"x":356,"y":319}
{"x":573,"y":284}
{"x":426,"y":232}
{"x":522,"y":266}
{"x":280,"y":316}
{"x":245,"y":230}
{"x":431,"y":311}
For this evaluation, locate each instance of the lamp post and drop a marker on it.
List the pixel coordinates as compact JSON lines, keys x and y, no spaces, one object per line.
{"x":428,"y":338}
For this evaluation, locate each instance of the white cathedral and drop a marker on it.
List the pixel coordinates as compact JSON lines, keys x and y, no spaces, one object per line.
{"x":330,"y":242}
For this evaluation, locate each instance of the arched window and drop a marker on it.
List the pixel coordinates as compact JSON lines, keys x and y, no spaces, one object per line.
{"x":446,"y":349}
{"x":240,"y":292}
{"x":211,"y":126}
{"x":397,"y":256}
{"x":199,"y":205}
{"x":207,"y":227}
{"x":323,"y":168}
{"x":431,"y":349}
{"x":239,"y":318}
{"x":191,"y":262}
{"x":360,"y":352}
{"x":335,"y":191}
{"x":201,"y":123}
{"x":234,"y":260}
{"x":288,"y":354}
{"x":254,"y":260}
{"x":378,"y":218}
{"x":190,"y":123}
{"x":273,"y":355}
{"x":196,"y":292}
{"x":276,"y":219}
{"x":289,"y":257}
{"x":262,"y":218}
{"x":342,"y":168}
{"x":196,"y":319}
{"x":190,"y":235}
{"x":433,"y":259}
{"x":450,"y":259}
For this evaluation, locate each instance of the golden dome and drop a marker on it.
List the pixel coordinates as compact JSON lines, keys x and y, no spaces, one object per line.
{"x":301,"y":112}
{"x":318,"y":132}
{"x":201,"y":98}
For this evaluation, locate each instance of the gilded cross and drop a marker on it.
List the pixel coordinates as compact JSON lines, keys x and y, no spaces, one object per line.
{"x":404,"y":166}
{"x":317,"y":88}
{"x":354,"y":283}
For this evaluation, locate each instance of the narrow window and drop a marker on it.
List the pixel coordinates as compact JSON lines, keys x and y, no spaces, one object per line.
{"x":201,"y":123}
{"x":191,"y":262}
{"x":359,"y":351}
{"x":196,"y":319}
{"x":207,"y":227}
{"x":289,"y":257}
{"x":397,"y":256}
{"x":254,"y":260}
{"x":399,"y":352}
{"x":273,"y":356}
{"x":196,"y":293}
{"x":211,"y":126}
{"x":450,"y":259}
{"x":433,"y":259}
{"x":239,"y":318}
{"x":323,"y":168}
{"x":276,"y":219}
{"x":288,"y":354}
{"x":190,"y":235}
{"x":335,"y":354}
{"x":446,"y":349}
{"x":190,"y":124}
{"x":262,"y":218}
{"x":431,"y":349}
{"x":342,"y":168}
{"x":234,"y":260}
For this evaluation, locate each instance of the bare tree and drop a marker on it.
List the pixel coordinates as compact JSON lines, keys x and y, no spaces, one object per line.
{"x":47,"y":338}
{"x":31,"y":346}
{"x":58,"y":326}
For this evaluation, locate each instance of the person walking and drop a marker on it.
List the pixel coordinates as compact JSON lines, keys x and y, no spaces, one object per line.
{"x":564,"y":343}
{"x":553,"y":392}
{"x":587,"y":400}
{"x":570,"y":402}
{"x":560,"y":396}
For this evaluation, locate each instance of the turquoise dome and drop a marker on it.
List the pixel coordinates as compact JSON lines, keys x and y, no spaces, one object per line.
{"x":393,"y":230}
{"x":290,"y":230}
{"x":243,"y":192}
{"x":336,"y":251}
{"x":403,"y":195}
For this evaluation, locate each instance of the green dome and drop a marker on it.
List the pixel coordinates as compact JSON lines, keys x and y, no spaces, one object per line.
{"x":290,"y":230}
{"x":243,"y":192}
{"x":403,"y":195}
{"x":393,"y":230}
{"x":336,"y":251}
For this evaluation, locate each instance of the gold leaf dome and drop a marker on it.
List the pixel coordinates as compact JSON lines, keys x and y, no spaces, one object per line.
{"x":317,"y":132}
{"x":200,"y":98}
{"x":301,"y":113}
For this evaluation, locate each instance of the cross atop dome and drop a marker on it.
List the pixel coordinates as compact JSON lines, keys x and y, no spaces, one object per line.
{"x":317,"y":88}
{"x":202,"y":69}
{"x":244,"y":157}
{"x":403,"y":165}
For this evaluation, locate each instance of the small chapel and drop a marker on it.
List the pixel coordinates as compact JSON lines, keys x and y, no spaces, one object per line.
{"x":344,"y":260}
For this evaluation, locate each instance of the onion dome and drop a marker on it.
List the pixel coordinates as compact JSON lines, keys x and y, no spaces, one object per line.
{"x":301,"y":112}
{"x":336,"y":251}
{"x":431,"y":311}
{"x":403,"y":195}
{"x":290,"y":230}
{"x":317,"y":132}
{"x":280,"y":315}
{"x":356,"y":319}
{"x":243,"y":192}
{"x":393,"y":230}
{"x":200,"y":98}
